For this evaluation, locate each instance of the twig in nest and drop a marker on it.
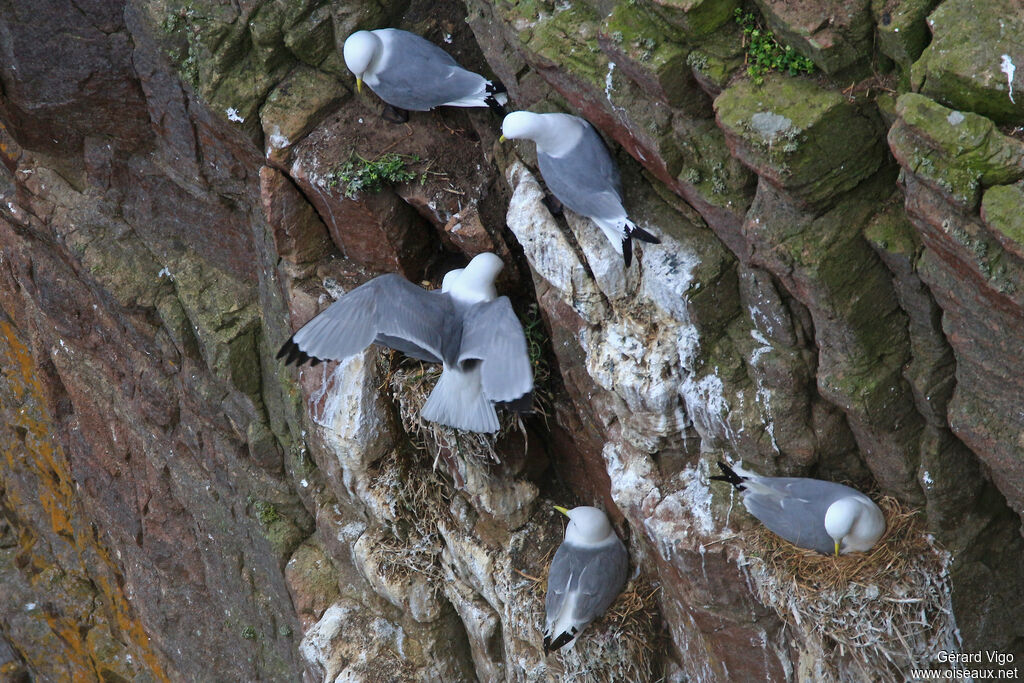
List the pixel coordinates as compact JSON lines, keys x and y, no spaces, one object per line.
{"x":527,"y":576}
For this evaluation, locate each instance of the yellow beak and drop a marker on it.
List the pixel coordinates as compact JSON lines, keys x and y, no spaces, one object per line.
{"x":837,"y":548}
{"x":503,"y":139}
{"x":562,"y":510}
{"x":359,"y":84}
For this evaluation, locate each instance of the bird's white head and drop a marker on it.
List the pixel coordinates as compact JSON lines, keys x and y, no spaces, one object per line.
{"x":553,"y":133}
{"x":361,"y":50}
{"x":521,"y":124}
{"x":840,"y":519}
{"x":587,"y":525}
{"x":475,"y":282}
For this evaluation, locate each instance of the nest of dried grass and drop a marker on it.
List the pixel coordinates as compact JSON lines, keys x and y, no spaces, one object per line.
{"x":416,"y":497}
{"x":864,"y":616}
{"x":410,"y":384}
{"x":621,"y":645}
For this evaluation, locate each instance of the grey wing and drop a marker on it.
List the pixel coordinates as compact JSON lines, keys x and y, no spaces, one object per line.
{"x":601,"y":582}
{"x":492,"y":334}
{"x":797,"y":513}
{"x":387,"y":308}
{"x":558,"y":583}
{"x":421,"y":76}
{"x":586,"y":179}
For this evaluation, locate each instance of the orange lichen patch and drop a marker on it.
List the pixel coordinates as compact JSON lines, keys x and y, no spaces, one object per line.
{"x":32,"y":423}
{"x":87,"y":605}
{"x":9,"y":149}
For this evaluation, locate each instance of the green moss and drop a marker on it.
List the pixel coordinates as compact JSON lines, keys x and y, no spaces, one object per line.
{"x":642,"y":38}
{"x":959,"y":152}
{"x":694,"y":18}
{"x":249,"y":633}
{"x":809,"y":139}
{"x":902,"y":31}
{"x":567,"y":37}
{"x":1003,"y":210}
{"x":719,"y":55}
{"x":265,"y":512}
{"x":719,"y":177}
{"x":890,"y":230}
{"x":961,"y":66}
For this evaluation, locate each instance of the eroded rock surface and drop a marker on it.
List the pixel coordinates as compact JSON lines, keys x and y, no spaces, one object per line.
{"x":838,"y":293}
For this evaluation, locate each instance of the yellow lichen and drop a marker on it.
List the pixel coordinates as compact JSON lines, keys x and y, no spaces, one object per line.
{"x":36,"y":471}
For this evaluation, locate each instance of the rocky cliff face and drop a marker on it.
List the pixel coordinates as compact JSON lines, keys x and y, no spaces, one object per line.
{"x":838,"y":293}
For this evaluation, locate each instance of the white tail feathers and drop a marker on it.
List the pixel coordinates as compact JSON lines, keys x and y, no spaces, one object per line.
{"x":458,"y":401}
{"x":489,"y":95}
{"x":563,"y":627}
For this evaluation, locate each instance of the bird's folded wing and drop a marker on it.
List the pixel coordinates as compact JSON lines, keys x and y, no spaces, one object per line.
{"x":388,"y":309}
{"x":492,"y":334}
{"x":794,"y":508}
{"x":559,"y":575}
{"x":422,"y":74}
{"x":601,"y":582}
{"x":586,"y":179}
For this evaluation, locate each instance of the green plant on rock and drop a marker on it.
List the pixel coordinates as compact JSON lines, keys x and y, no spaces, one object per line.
{"x":265,"y":511}
{"x":363,"y":175}
{"x":536,"y":340}
{"x":765,"y":53}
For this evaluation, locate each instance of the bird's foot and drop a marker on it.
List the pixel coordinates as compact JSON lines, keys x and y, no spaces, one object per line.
{"x":393,"y":114}
{"x":552,"y":204}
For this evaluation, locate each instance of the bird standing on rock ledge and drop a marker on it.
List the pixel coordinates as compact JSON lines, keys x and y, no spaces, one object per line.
{"x":466,"y":326}
{"x":810,"y":513}
{"x":410,"y":73}
{"x":579,"y":170}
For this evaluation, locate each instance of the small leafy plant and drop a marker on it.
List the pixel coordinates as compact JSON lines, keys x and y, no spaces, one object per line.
{"x":765,"y":53}
{"x":362,"y":175}
{"x":536,"y":340}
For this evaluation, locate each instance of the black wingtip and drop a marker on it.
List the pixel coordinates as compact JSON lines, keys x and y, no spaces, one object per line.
{"x":296,"y":355}
{"x":523,"y":404}
{"x":627,"y":250}
{"x":642,"y":235}
{"x":559,"y":642}
{"x":495,"y":105}
{"x":494,"y":88}
{"x":729,"y":475}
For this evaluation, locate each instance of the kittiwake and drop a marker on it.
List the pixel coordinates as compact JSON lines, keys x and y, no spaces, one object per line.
{"x":579,"y":170}
{"x":586,"y":575}
{"x":810,"y":513}
{"x":465,"y":326}
{"x":410,"y":72}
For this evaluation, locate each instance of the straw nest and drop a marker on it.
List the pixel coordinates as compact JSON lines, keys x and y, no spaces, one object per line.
{"x":416,"y":498}
{"x":863,"y":616}
{"x":621,"y":645}
{"x":411,"y":383}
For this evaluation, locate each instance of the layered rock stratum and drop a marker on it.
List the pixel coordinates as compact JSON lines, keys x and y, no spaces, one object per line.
{"x":838,"y":293}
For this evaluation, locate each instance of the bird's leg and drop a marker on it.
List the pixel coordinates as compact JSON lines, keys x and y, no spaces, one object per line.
{"x":393,"y":114}
{"x":553,"y":205}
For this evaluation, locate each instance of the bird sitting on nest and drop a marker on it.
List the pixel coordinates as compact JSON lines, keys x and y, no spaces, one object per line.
{"x":586,"y":575}
{"x":810,"y":513}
